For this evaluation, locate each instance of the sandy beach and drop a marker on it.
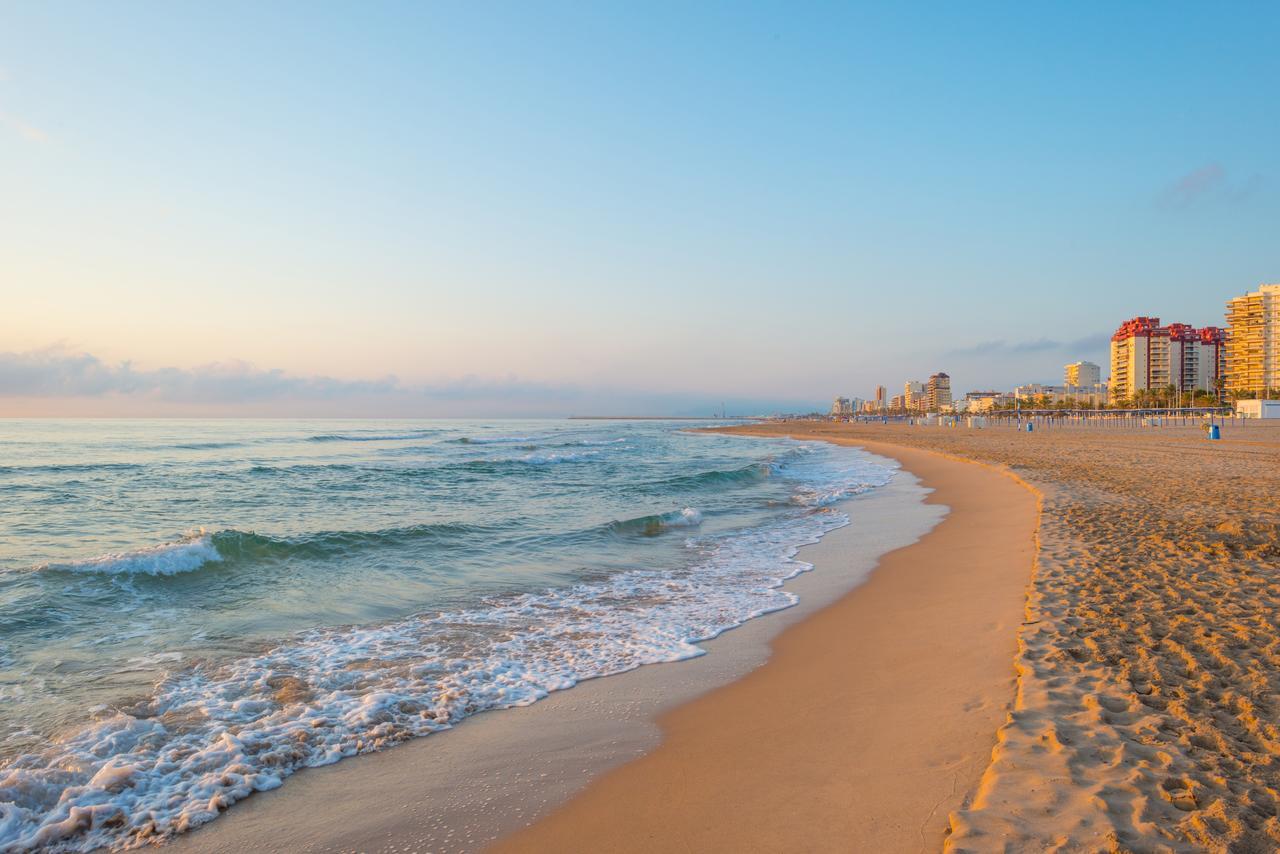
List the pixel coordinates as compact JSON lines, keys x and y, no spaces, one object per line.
{"x":1149,"y":663}
{"x":869,"y":723}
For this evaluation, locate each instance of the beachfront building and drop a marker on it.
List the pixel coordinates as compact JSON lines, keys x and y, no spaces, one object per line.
{"x":986,"y":401}
{"x":1204,"y":359}
{"x":841,"y":406}
{"x":938,"y":393}
{"x":881,"y":400}
{"x":897,"y":403}
{"x":1082,"y":374}
{"x":1083,"y":397}
{"x":1035,"y":394}
{"x":1088,"y":396}
{"x":1253,"y":342}
{"x":914,"y":395}
{"x":1148,"y":357}
{"x":1258,"y":408}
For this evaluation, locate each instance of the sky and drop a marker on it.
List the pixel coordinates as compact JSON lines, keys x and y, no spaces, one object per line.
{"x":540,"y":208}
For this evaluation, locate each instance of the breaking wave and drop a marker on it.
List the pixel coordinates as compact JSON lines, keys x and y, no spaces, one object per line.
{"x":199,"y":548}
{"x":185,"y":555}
{"x":658,"y":523}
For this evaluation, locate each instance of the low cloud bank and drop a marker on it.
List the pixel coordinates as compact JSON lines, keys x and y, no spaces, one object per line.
{"x":58,"y":373}
{"x":58,"y":381}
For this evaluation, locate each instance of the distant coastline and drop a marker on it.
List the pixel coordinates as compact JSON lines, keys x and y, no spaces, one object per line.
{"x":661,"y":418}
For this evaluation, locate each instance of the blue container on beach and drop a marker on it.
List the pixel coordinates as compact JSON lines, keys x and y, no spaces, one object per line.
{"x":1030,"y":426}
{"x":1215,"y":432}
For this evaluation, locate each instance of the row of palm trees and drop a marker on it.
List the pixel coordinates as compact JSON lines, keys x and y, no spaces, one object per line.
{"x":1168,"y":397}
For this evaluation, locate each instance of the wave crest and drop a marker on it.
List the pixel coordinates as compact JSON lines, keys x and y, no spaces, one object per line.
{"x":658,"y":523}
{"x":185,"y":555}
{"x":200,"y":548}
{"x":494,"y":440}
{"x":381,"y":437}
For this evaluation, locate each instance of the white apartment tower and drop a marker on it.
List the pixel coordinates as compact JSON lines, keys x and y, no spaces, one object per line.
{"x":1082,"y":374}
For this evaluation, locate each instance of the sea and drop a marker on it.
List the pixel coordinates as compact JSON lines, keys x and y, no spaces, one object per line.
{"x":192,"y":610}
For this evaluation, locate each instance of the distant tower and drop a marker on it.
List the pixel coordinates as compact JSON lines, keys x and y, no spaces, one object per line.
{"x":880,"y":400}
{"x":1082,"y":374}
{"x":938,"y":394}
{"x":913,"y":395}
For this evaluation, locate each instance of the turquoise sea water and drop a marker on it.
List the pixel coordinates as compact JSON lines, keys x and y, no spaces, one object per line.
{"x":191,"y":610}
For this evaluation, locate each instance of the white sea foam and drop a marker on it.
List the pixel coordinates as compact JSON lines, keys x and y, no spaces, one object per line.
{"x":496,"y":440}
{"x":189,"y":553}
{"x":210,"y":736}
{"x":543,"y":459}
{"x":687,"y":518}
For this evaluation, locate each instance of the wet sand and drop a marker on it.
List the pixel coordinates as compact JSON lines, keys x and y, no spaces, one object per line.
{"x":872,"y":719}
{"x":497,"y":772}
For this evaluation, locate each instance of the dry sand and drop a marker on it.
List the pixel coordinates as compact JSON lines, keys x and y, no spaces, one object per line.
{"x":870,"y":722}
{"x":1147,"y":716}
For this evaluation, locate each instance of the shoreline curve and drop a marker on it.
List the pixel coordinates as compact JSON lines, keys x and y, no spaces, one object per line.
{"x":872,"y":720}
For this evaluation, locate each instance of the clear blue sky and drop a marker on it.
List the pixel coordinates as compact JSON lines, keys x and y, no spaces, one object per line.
{"x":542,"y":208}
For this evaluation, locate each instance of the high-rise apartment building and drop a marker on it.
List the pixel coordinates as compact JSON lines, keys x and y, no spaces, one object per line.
{"x":1253,"y":341}
{"x":881,"y":400}
{"x":913,"y":395}
{"x":938,"y":392}
{"x":1080,"y":374}
{"x":1148,"y":356}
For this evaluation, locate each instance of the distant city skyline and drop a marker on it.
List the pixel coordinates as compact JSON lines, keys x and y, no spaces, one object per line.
{"x":548,"y":209}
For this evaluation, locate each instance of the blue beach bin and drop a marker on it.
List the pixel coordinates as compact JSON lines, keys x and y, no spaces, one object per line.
{"x":1215,"y":432}
{"x":1030,"y":426}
